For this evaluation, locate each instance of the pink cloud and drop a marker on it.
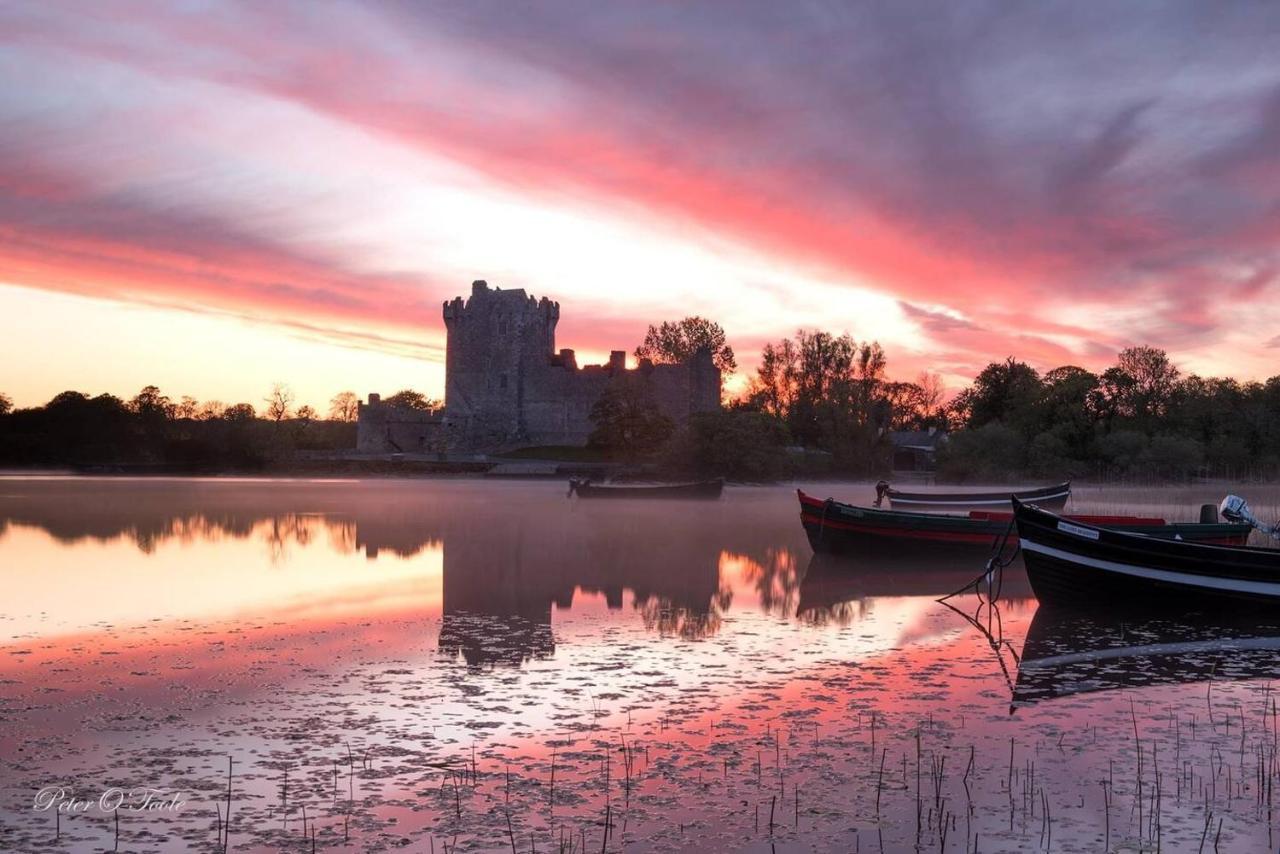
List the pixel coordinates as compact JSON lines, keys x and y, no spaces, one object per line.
{"x":979,"y":172}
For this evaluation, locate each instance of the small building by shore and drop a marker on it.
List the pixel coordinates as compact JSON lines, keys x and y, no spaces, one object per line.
{"x":916,"y":450}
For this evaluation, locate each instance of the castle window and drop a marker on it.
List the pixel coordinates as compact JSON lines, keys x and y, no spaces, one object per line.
{"x":502,"y":381}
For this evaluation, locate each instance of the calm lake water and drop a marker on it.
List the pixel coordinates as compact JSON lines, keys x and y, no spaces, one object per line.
{"x":472,"y":665}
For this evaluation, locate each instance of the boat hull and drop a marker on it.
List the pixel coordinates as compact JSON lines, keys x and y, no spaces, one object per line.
{"x":837,"y":528}
{"x":705,"y":491}
{"x":1076,"y":564}
{"x":1048,"y":497}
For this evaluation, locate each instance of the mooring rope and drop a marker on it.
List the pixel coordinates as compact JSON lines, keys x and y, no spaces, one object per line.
{"x":993,"y":572}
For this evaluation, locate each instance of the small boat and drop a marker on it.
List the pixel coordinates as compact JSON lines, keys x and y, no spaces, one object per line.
{"x":1049,"y":497}
{"x":707,"y":490}
{"x":1068,"y":652}
{"x":1074,"y":561}
{"x":834,"y":527}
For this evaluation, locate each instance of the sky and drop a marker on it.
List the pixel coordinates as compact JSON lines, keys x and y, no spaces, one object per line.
{"x":217,"y":196}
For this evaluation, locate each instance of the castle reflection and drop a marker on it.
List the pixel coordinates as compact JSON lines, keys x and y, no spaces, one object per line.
{"x":511,"y":553}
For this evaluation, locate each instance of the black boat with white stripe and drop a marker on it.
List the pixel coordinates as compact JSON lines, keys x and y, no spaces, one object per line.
{"x":1072,"y":562}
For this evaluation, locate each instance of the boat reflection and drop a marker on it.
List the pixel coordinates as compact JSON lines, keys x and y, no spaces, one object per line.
{"x":1068,"y":653}
{"x":836,"y":587}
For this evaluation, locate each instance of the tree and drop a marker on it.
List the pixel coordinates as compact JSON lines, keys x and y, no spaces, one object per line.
{"x":672,"y":343}
{"x":774,"y":388}
{"x":735,"y":443}
{"x":914,"y":406}
{"x":345,"y":406}
{"x":305,"y":414}
{"x":1141,"y":386}
{"x":932,"y":392}
{"x":906,"y":402}
{"x":1004,"y":391}
{"x":240,"y":412}
{"x":411,"y":399}
{"x":1070,"y":406}
{"x":993,"y":451}
{"x":6,"y":404}
{"x":211,"y":410}
{"x":188,"y":407}
{"x":279,"y":402}
{"x":627,"y":420}
{"x":66,"y":398}
{"x":151,"y":404}
{"x":830,"y":392}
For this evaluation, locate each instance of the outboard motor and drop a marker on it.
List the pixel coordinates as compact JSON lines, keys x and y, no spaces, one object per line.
{"x":1235,"y":509}
{"x":882,"y":489}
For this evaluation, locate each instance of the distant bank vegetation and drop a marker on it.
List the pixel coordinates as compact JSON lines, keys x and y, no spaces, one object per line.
{"x":818,"y":404}
{"x":1140,"y":418}
{"x":821,"y":404}
{"x":151,"y":429}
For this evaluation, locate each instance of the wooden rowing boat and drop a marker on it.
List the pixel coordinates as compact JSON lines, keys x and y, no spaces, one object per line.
{"x":1074,"y":561}
{"x":837,"y":528}
{"x":1049,"y":497}
{"x":706,"y":490}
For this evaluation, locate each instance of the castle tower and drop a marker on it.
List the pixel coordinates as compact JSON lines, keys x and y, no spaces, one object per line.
{"x":496,"y":340}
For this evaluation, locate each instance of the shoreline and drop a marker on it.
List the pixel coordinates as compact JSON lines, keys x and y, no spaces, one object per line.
{"x":549,"y":470}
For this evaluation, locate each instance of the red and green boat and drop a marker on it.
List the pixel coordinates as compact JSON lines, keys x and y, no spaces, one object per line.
{"x":834,"y":527}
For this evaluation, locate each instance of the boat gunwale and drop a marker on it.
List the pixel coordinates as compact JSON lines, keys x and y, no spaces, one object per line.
{"x":1053,"y":491}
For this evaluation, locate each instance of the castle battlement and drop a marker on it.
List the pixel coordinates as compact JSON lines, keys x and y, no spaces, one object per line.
{"x":485,"y":303}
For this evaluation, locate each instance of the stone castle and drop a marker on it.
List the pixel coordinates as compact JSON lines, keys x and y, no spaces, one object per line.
{"x":506,"y":385}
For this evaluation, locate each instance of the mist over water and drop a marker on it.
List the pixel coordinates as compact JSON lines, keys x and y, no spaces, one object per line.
{"x":410,"y":664}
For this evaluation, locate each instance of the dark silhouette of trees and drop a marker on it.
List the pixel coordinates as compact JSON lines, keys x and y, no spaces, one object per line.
{"x":830,"y":393}
{"x":210,"y":410}
{"x":279,"y":402}
{"x":411,"y":399}
{"x":344,"y":406}
{"x":628,"y":422}
{"x":739,"y":444}
{"x":1003,"y":391}
{"x":671,"y":343}
{"x":1139,"y":418}
{"x":150,"y":432}
{"x":6,"y":404}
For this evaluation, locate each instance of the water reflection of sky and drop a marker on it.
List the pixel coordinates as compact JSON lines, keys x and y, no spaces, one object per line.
{"x":151,"y":628}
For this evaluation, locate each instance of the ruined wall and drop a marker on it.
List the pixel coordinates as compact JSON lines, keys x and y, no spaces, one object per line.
{"x":385,"y":429}
{"x":506,"y":385}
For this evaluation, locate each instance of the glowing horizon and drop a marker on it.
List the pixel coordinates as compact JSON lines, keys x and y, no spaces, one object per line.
{"x":216,"y":197}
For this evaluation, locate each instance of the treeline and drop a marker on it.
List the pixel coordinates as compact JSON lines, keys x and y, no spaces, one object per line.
{"x":154,"y":430}
{"x":1140,"y":418}
{"x":819,"y":404}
